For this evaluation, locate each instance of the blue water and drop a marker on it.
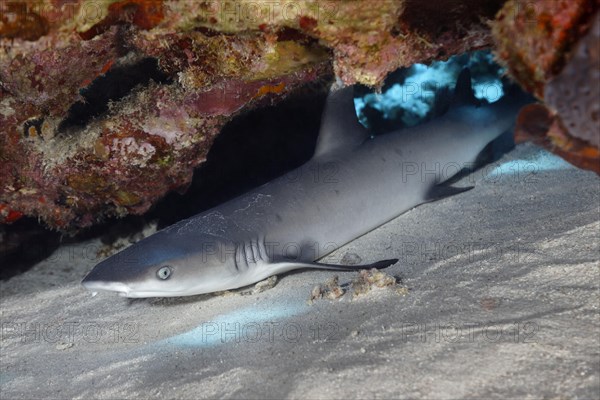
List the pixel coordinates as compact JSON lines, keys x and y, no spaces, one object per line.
{"x":412,"y":99}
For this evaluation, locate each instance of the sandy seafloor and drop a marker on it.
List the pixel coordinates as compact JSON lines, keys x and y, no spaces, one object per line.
{"x":503,"y":302}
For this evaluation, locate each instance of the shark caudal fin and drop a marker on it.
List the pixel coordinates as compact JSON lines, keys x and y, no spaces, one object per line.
{"x":340,"y":128}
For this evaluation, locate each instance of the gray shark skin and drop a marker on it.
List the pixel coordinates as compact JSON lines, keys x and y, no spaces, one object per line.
{"x":352,"y":185}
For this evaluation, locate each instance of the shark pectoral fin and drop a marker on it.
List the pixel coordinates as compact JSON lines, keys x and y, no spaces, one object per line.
{"x":442,"y":190}
{"x":377,"y":265}
{"x":291,"y":265}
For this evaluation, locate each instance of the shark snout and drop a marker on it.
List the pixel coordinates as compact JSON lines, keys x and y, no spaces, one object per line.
{"x":98,"y":285}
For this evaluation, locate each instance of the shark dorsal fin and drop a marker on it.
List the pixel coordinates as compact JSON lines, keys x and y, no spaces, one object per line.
{"x":463,"y":91}
{"x":340,"y":128}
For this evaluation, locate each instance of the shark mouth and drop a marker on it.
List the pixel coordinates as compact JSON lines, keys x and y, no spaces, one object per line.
{"x":95,"y":286}
{"x":124,"y":290}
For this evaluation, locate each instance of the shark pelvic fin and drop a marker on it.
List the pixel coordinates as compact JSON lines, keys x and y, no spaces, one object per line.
{"x":339,"y":125}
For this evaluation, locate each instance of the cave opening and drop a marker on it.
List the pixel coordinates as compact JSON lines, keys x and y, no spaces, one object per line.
{"x":112,"y":86}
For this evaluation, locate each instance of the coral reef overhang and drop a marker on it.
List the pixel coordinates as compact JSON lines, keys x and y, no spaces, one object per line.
{"x":106,"y":106}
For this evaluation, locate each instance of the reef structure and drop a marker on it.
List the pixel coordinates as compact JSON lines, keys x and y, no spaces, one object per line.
{"x":107,"y":105}
{"x":552,"y":48}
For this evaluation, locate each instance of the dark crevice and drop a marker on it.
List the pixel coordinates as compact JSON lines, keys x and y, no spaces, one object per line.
{"x":425,"y":18}
{"x":251,"y":150}
{"x":112,"y":86}
{"x":24,"y":244}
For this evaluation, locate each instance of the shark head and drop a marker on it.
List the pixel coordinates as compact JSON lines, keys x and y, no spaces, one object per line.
{"x":166,"y":265}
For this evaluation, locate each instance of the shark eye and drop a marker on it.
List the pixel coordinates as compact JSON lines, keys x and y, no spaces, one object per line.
{"x":164,"y":272}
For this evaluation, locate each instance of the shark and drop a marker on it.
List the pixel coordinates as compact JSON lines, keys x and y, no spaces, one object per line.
{"x":353,"y":184}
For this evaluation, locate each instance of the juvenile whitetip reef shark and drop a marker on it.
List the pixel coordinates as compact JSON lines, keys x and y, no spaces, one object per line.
{"x":353,"y":184}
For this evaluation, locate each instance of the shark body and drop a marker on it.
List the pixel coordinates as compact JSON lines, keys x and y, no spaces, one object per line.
{"x":352,"y":185}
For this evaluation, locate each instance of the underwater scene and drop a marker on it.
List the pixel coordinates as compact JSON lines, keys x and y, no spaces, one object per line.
{"x":299,"y":199}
